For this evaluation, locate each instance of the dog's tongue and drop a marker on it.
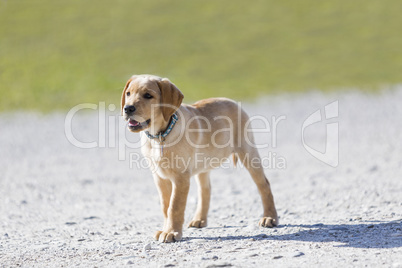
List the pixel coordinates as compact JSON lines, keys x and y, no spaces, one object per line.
{"x":133,"y":123}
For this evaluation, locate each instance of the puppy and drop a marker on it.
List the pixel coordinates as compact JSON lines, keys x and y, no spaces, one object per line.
{"x":189,"y":140}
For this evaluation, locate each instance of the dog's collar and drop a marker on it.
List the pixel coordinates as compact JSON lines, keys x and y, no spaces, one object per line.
{"x":162,"y":135}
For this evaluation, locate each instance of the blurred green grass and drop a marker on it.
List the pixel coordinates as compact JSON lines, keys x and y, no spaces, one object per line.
{"x":56,"y":54}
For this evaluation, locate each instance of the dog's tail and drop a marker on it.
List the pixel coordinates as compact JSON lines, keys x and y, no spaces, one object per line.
{"x":235,"y":159}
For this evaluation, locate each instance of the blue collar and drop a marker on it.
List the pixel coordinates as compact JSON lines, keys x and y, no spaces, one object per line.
{"x":160,"y":135}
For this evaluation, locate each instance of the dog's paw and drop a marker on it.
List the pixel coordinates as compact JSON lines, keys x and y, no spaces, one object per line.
{"x":167,"y":237}
{"x":268,"y":222}
{"x":157,"y":234}
{"x":197,"y":223}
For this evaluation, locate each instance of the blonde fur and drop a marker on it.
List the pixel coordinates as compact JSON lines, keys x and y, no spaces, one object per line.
{"x":210,"y":129}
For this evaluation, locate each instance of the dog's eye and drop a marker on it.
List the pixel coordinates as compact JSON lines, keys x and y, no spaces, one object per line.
{"x":148,"y":96}
{"x":128,"y":94}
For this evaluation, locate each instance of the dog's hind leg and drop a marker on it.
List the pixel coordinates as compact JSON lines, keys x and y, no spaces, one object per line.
{"x":204,"y":196}
{"x":251,"y":160}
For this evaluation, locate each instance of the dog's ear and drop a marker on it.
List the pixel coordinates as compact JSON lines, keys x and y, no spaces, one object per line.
{"x":171,"y":98}
{"x":123,"y":95}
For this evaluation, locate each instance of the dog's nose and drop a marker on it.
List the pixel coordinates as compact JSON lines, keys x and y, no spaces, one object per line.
{"x":128,"y":109}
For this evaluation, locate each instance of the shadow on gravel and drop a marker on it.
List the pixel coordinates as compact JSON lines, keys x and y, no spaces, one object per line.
{"x":362,"y":235}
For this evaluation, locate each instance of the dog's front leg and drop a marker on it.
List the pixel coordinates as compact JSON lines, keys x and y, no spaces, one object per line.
{"x":165,"y":191}
{"x":173,"y":229}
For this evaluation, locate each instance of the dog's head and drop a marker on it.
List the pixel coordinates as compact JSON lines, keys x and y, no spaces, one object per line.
{"x":149,"y":100}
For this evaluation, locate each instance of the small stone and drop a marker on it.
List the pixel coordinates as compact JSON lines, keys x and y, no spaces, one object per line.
{"x":396,"y":235}
{"x":91,"y":218}
{"x":130,"y":262}
{"x":370,"y":226}
{"x":81,"y":239}
{"x":43,"y":247}
{"x":184,"y":251}
{"x":251,"y":227}
{"x":373,"y":168}
{"x":147,"y":247}
{"x":262,"y":236}
{"x":277,"y":257}
{"x":169,"y":265}
{"x":116,"y":233}
{"x":215,"y":258}
{"x":70,"y":223}
{"x":129,"y":257}
{"x":297,"y":254}
{"x":87,"y":182}
{"x":253,"y":255}
{"x":222,"y":264}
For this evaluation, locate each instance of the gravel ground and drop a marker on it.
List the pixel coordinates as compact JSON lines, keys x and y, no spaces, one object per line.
{"x":66,"y":206}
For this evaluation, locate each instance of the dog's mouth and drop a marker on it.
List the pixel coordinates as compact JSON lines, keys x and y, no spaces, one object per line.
{"x":136,"y":125}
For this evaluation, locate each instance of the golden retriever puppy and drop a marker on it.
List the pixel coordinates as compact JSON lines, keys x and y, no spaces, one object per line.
{"x":183,"y":140}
